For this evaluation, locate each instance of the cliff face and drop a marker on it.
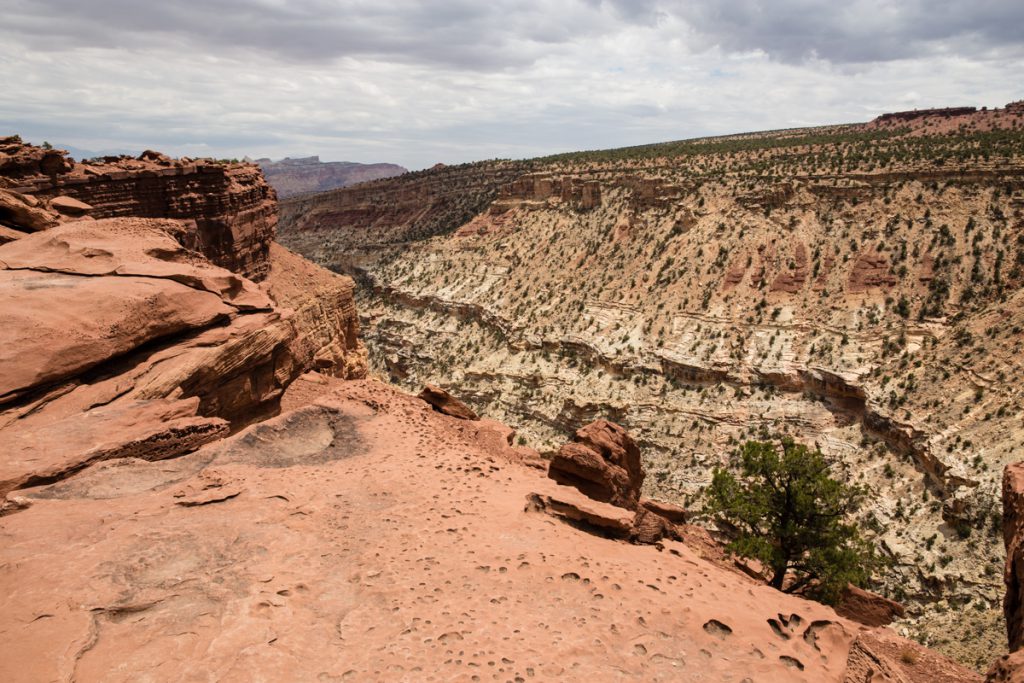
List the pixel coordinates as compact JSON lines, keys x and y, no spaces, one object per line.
{"x":233,"y":208}
{"x":391,"y":212}
{"x":1013,"y":537}
{"x":121,"y":340}
{"x":860,"y":288}
{"x":298,"y":176}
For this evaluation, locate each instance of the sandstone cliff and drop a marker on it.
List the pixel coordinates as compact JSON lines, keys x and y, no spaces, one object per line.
{"x":233,"y":208}
{"x":120,"y":339}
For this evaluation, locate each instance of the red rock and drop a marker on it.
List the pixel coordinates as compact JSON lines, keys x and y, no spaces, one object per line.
{"x":19,"y":160}
{"x":70,"y":206}
{"x":603,"y":462}
{"x":234,"y":211}
{"x":16,"y":212}
{"x":870,"y":270}
{"x":443,"y":402}
{"x":58,"y":325}
{"x":323,"y":309}
{"x":9,"y":234}
{"x":1007,"y":669}
{"x":1013,"y":538}
{"x":673,"y":513}
{"x":868,"y":608}
{"x":107,"y":321}
{"x":38,"y":451}
{"x":601,"y":518}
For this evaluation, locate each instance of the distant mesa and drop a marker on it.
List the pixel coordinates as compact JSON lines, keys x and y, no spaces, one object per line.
{"x":308,"y":174}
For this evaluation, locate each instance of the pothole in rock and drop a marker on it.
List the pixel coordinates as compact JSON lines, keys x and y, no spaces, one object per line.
{"x":717,"y":628}
{"x":123,"y":477}
{"x":313,"y":435}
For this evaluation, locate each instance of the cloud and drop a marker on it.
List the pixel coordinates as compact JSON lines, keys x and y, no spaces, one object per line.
{"x":416,"y":83}
{"x":858,"y":30}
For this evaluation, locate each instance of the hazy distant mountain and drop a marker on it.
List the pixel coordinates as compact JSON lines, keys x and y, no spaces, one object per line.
{"x":295,"y":176}
{"x":78,"y":153}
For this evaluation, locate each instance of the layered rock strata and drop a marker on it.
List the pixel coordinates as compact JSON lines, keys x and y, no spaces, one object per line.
{"x":233,"y":209}
{"x":120,"y":342}
{"x":859,"y":287}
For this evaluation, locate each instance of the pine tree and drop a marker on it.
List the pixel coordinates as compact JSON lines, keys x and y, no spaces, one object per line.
{"x":793,"y":517}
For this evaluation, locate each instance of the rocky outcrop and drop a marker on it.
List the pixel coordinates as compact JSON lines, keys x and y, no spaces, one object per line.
{"x":322,"y":305}
{"x":443,"y":402}
{"x":603,"y":465}
{"x":19,"y":160}
{"x":869,"y":608}
{"x":870,"y":270}
{"x":1013,"y":538}
{"x":603,"y":462}
{"x":308,"y":174}
{"x":232,"y":209}
{"x":119,"y":342}
{"x":904,"y":116}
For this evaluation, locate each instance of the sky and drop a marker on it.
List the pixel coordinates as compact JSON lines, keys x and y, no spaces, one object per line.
{"x":416,"y":83}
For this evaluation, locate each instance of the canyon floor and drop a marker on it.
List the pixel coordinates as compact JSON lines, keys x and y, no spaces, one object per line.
{"x":362,"y":536}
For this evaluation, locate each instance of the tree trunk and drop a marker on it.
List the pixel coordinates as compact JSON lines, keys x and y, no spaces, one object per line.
{"x":778,"y":578}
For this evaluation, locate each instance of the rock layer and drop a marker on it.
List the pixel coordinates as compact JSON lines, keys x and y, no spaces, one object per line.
{"x":119,"y":342}
{"x":234,"y":211}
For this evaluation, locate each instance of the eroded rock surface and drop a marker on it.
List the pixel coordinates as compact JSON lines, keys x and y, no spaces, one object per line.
{"x":603,"y":462}
{"x":119,"y":342}
{"x":363,"y":535}
{"x":443,"y":402}
{"x":233,"y":209}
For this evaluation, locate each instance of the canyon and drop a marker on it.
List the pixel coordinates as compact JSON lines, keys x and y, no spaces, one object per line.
{"x":206,"y":479}
{"x":856,"y":286}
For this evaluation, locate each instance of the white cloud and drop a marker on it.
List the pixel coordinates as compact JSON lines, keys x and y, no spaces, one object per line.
{"x":416,"y":83}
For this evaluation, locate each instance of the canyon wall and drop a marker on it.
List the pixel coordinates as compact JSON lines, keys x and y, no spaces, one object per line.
{"x":233,"y":208}
{"x":838,"y":284}
{"x":391,"y":212}
{"x":123,"y":338}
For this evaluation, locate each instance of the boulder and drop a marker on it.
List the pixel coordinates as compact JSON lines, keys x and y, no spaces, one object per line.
{"x":673,"y":513}
{"x":443,"y":402}
{"x":18,"y":213}
{"x":868,"y":608}
{"x":69,"y":206}
{"x":603,"y":462}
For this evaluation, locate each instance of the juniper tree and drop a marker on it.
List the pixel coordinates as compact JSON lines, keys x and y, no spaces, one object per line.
{"x":793,"y":517}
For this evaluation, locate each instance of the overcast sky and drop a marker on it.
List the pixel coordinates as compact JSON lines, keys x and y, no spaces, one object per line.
{"x":416,"y":83}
